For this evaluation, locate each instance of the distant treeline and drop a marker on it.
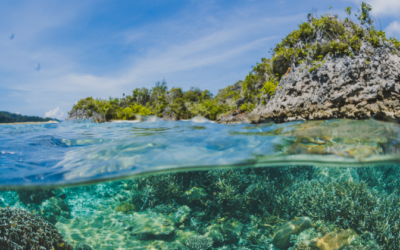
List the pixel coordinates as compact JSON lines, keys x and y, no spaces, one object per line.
{"x":7,"y":117}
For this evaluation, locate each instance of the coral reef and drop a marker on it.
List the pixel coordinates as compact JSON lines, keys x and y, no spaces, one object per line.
{"x":22,"y":230}
{"x":249,"y":208}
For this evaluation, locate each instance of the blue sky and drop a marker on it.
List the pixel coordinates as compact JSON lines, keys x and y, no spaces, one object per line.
{"x":54,"y":53}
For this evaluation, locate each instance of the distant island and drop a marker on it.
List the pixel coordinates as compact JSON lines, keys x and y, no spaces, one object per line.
{"x":327,"y":68}
{"x":7,"y":117}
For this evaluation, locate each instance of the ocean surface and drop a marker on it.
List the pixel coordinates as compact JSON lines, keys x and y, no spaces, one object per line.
{"x":329,"y":184}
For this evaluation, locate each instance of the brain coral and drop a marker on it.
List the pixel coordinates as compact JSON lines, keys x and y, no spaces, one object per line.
{"x":22,"y":230}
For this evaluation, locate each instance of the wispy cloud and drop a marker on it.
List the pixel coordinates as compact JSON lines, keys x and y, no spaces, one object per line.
{"x":383,"y":7}
{"x":55,"y":113}
{"x":393,"y":29}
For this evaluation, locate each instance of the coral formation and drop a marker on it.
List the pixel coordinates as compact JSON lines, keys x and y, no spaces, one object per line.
{"x":35,"y":196}
{"x":54,"y":207}
{"x":331,"y":241}
{"x":126,"y":207}
{"x":197,"y":242}
{"x":286,"y":230}
{"x":22,"y":230}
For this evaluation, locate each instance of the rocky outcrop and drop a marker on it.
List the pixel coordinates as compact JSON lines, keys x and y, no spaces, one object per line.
{"x":364,"y":85}
{"x":169,"y":115}
{"x":85,"y":114}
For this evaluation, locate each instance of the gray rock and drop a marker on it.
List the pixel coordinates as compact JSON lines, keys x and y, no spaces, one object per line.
{"x":363,"y":86}
{"x":253,"y":118}
{"x":237,"y":86}
{"x":240,"y":101}
{"x":85,"y":114}
{"x":169,"y":115}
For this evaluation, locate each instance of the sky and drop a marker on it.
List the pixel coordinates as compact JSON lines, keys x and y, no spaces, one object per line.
{"x":54,"y":53}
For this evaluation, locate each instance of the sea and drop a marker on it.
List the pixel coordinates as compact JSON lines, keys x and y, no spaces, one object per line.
{"x":198,"y":185}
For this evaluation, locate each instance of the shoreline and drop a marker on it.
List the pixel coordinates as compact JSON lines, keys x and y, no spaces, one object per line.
{"x":16,"y":123}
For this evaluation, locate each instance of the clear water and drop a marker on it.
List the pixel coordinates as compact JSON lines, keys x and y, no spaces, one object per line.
{"x":201,"y":185}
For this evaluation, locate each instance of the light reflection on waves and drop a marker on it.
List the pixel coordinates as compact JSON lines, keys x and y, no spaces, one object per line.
{"x":69,"y":153}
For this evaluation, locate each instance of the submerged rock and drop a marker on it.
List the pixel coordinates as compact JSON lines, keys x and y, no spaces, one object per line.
{"x":293,"y":227}
{"x":362,"y":86}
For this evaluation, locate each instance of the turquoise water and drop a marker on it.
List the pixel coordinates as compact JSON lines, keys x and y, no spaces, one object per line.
{"x":201,"y":185}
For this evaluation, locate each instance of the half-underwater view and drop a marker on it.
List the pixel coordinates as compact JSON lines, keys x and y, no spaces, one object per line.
{"x":200,"y":125}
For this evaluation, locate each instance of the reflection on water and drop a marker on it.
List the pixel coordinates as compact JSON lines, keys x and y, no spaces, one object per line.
{"x":299,"y":186}
{"x":301,"y":207}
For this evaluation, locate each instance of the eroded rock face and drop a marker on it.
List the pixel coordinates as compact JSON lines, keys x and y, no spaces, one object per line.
{"x":366,"y":85}
{"x":85,"y":114}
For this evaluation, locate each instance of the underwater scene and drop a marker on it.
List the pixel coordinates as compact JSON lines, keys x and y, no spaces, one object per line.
{"x":198,"y":185}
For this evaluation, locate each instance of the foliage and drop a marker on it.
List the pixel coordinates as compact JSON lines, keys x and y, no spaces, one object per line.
{"x":247,"y":107}
{"x":364,"y":16}
{"x":270,"y":86}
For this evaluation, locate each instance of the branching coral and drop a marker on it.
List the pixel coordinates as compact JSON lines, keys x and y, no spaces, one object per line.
{"x":199,"y":242}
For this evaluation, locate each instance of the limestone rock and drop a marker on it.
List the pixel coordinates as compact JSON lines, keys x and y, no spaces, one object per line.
{"x":169,"y":115}
{"x":293,"y":227}
{"x":363,"y":86}
{"x":253,"y":118}
{"x":85,"y":114}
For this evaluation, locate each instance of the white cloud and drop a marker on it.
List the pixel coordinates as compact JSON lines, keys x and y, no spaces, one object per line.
{"x":17,"y":112}
{"x":383,"y":7}
{"x":55,"y":113}
{"x":393,"y":29}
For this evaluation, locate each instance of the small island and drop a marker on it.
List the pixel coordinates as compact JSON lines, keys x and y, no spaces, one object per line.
{"x":327,"y":68}
{"x":12,"y":118}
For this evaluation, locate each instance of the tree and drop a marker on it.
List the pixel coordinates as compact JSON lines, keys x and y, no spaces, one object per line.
{"x":364,"y":16}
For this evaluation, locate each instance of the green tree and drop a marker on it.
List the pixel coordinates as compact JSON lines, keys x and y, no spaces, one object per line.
{"x":364,"y":16}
